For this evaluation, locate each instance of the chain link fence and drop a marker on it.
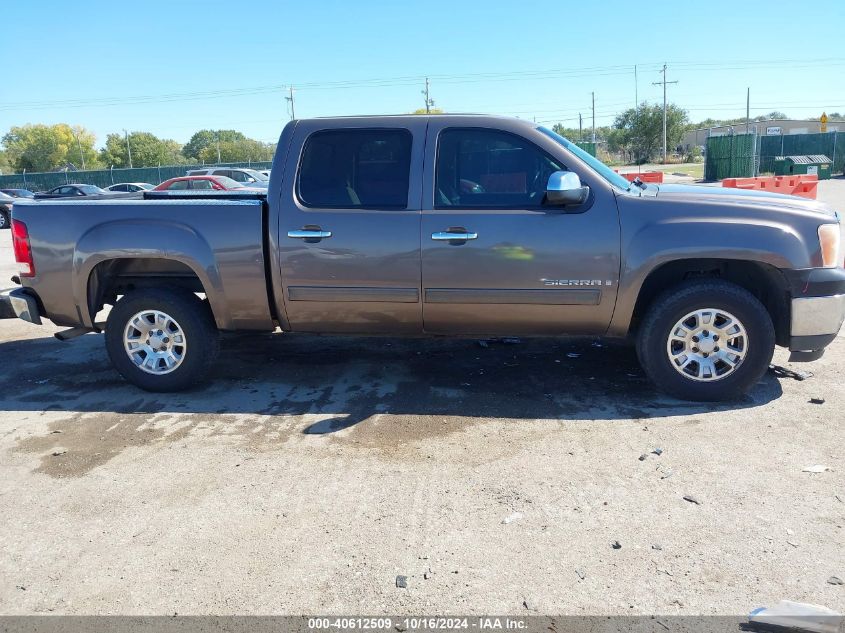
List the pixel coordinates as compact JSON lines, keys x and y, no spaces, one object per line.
{"x":42,"y":181}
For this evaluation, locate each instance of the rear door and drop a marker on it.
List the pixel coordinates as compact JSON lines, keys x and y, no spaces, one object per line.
{"x":515,"y":264}
{"x":349,"y":228}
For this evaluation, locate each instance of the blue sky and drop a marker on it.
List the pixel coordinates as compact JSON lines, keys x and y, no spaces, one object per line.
{"x":172,"y":68}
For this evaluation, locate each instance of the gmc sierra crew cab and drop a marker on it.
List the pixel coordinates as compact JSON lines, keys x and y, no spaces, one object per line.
{"x":442,"y":225}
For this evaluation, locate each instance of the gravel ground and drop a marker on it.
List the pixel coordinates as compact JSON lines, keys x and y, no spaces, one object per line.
{"x":312,"y":471}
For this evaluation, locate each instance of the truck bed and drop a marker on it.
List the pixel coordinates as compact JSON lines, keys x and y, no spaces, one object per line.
{"x":87,"y":251}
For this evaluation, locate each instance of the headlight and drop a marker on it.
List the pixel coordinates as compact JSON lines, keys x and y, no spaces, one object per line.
{"x":829,"y":240}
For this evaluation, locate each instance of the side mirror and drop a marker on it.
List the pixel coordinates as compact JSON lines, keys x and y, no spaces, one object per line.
{"x":564,"y":187}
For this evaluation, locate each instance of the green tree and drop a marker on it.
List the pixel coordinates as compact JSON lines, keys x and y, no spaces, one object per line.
{"x":770,"y":116}
{"x":430,"y":111}
{"x":584,"y":134}
{"x":206,"y":138}
{"x":5,"y":165}
{"x":46,"y":147}
{"x":173,"y":153}
{"x":147,"y":150}
{"x":237,"y":151}
{"x":641,"y":129}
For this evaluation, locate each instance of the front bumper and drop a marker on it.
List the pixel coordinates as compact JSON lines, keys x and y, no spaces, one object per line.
{"x":17,"y":303}
{"x":817,"y":310}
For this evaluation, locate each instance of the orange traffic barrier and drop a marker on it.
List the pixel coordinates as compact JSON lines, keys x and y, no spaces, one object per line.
{"x":646,"y":176}
{"x":800,"y":185}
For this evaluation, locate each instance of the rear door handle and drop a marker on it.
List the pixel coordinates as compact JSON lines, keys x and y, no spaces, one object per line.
{"x":453,"y":236}
{"x":309,"y":234}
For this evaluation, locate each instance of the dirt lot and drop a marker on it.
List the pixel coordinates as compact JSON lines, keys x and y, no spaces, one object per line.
{"x":311,"y":472}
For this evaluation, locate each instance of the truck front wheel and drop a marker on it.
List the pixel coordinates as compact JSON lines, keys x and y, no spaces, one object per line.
{"x":706,"y":340}
{"x":161,"y":339}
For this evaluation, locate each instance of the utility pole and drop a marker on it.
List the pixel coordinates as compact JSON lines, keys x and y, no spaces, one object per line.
{"x":580,"y":128}
{"x":218,"y":147}
{"x":81,"y":155}
{"x":747,"y":109}
{"x":664,"y":83}
{"x":128,"y":149}
{"x":290,"y":99}
{"x":636,"y":91}
{"x":428,"y":100}
{"x":594,"y":117}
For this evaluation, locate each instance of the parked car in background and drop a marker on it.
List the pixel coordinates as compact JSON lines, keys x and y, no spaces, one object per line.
{"x":130,"y":187}
{"x":265,"y":172}
{"x":204,"y":183}
{"x":70,"y":191}
{"x":18,"y":193}
{"x":247,"y":177}
{"x":6,"y":202}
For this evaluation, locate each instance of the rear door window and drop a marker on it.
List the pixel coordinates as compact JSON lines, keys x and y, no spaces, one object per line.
{"x":356,"y":169}
{"x":178,"y":185}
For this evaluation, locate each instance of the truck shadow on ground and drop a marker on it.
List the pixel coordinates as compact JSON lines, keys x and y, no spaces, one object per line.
{"x":351,"y":379}
{"x":363,"y":393}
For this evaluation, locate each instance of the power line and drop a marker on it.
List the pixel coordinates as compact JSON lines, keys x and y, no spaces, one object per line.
{"x":524,"y":75}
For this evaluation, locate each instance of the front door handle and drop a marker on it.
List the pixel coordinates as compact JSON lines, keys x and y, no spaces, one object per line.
{"x":309,"y":234}
{"x":453,"y":236}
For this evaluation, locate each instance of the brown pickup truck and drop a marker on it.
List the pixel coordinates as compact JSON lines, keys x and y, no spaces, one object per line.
{"x":443,"y":225}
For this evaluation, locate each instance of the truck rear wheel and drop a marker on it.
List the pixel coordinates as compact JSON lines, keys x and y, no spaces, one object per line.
{"x":161,"y":340}
{"x":706,"y":340}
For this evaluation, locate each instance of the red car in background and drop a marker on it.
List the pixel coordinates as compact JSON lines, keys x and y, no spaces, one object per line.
{"x":204,"y":183}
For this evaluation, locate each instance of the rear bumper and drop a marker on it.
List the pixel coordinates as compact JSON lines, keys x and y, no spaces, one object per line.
{"x":18,"y":303}
{"x":817,"y":310}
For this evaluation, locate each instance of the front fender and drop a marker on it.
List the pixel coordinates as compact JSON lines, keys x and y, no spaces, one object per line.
{"x":653,"y":244}
{"x":153,"y":239}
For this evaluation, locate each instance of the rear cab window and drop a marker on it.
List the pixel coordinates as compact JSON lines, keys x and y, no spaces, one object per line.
{"x":356,"y":168}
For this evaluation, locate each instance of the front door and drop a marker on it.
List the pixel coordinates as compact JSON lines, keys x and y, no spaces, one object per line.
{"x":349,"y":228}
{"x":496,"y":259}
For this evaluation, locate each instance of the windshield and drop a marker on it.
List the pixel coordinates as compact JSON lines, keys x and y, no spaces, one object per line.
{"x":19,"y":193}
{"x":257,"y":175}
{"x":228,"y":182}
{"x":599,"y":167}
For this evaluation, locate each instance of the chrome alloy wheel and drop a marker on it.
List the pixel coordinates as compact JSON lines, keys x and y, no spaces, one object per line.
{"x":707,"y":344}
{"x":154,"y":342}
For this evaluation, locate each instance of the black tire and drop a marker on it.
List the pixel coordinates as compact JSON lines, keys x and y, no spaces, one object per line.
{"x":5,"y":220}
{"x":192,"y":315}
{"x":670,"y":307}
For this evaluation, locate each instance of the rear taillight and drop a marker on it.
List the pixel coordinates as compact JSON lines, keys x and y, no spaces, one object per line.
{"x":23,"y":251}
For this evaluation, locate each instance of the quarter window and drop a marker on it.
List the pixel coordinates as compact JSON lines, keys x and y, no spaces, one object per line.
{"x":356,"y":169}
{"x":479,"y":168}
